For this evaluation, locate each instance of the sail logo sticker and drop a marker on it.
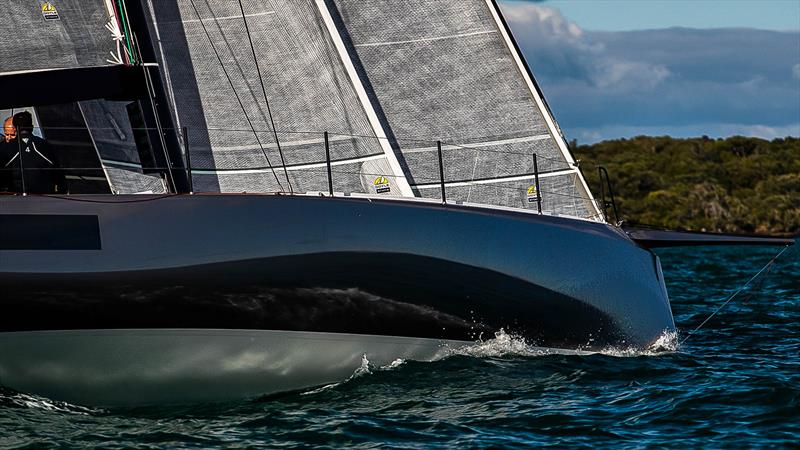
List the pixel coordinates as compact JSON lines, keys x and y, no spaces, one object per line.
{"x":533,"y":194}
{"x":49,"y":11}
{"x":381,"y":185}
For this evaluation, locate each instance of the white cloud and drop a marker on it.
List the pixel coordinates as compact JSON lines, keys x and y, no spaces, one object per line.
{"x":563,"y":46}
{"x":682,"y":82}
{"x":549,"y":20}
{"x":714,"y":130}
{"x":630,"y":74}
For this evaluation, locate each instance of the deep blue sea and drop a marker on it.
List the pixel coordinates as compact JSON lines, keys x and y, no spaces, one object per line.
{"x":735,"y":383}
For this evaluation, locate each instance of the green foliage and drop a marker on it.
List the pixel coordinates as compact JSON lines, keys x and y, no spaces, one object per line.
{"x":736,"y":184}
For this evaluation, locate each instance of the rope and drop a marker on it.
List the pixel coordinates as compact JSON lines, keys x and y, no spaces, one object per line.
{"x":235,"y":93}
{"x":766,"y":270}
{"x":266,"y":100}
{"x":128,"y":48}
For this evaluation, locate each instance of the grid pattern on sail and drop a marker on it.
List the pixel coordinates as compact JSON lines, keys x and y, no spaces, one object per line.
{"x":308,"y":89}
{"x":74,"y":35}
{"x":441,"y":70}
{"x":112,"y":135}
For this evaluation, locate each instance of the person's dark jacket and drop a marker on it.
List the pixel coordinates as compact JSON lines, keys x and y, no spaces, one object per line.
{"x":5,"y":175}
{"x":42,"y":171}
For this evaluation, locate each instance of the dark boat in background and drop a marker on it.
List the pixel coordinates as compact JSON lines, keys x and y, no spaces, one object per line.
{"x":263,"y":193}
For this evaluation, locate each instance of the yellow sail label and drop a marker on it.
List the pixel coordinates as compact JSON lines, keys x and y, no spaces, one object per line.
{"x":533,"y":194}
{"x":49,"y":11}
{"x":381,"y":185}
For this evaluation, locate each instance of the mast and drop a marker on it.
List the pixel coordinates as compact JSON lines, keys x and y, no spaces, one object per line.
{"x":165,"y":138}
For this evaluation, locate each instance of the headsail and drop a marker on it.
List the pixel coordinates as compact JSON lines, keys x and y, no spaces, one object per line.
{"x":386,"y":79}
{"x":447,"y":70}
{"x":217,"y":95}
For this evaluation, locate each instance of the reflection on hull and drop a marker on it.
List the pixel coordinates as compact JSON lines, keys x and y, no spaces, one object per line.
{"x":126,"y":367}
{"x":402,"y":295}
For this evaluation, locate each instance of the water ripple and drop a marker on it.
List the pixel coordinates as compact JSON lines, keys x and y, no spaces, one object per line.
{"x":735,"y":383}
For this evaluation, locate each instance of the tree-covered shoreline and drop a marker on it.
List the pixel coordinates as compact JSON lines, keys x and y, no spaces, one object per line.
{"x":736,"y":184}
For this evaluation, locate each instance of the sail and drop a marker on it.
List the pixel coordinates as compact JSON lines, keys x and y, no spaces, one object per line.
{"x":257,"y":124}
{"x":112,"y":134}
{"x":448,"y":70}
{"x":256,"y":83}
{"x":64,"y":34}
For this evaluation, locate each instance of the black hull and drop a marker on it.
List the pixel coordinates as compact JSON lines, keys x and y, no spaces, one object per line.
{"x":214,"y":297}
{"x":362,"y":293}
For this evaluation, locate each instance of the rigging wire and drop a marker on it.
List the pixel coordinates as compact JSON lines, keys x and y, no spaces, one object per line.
{"x":765,"y":270}
{"x":152,"y":98}
{"x":236,"y":94}
{"x":266,"y":100}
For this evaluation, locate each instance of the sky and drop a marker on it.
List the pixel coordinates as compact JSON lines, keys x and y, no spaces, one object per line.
{"x":621,"y":68}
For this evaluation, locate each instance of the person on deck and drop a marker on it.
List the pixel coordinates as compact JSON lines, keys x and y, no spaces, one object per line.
{"x":9,"y":130}
{"x":9,"y":133}
{"x":39,"y":172}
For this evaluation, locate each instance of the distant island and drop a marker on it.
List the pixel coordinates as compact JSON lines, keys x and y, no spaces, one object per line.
{"x":737,"y":184}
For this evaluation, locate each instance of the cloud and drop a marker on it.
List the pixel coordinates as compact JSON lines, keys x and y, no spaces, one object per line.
{"x":562,"y":49}
{"x":630,"y":74}
{"x":714,"y":130}
{"x":726,"y":80}
{"x":548,"y":21}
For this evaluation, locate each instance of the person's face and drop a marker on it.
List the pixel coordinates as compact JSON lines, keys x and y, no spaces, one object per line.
{"x":9,"y":130}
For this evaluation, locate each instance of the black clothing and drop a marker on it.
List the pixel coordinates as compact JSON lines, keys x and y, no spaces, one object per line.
{"x":42,"y":171}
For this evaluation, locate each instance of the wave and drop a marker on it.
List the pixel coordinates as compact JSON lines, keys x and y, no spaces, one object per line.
{"x":14,"y":399}
{"x":366,"y":368}
{"x":506,"y":344}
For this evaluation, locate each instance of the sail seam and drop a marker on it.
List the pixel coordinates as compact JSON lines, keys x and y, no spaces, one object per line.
{"x":538,"y":99}
{"x":235,"y":92}
{"x":363,"y":97}
{"x":540,"y":137}
{"x":264,"y":13}
{"x":266,"y":100}
{"x":340,"y":162}
{"x":529,"y":176}
{"x":430,"y":39}
{"x":283,"y":144}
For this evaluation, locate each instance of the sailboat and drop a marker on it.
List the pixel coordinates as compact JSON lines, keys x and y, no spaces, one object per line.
{"x":263,"y":193}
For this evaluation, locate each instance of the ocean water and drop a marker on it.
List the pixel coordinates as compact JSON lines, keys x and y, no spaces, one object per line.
{"x":734,"y":383}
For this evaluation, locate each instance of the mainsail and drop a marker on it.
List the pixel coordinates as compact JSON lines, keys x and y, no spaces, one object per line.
{"x":66,"y":34}
{"x":256,"y":83}
{"x":79,"y":49}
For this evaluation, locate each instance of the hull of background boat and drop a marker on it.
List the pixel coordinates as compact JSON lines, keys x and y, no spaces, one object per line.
{"x":379,"y":269}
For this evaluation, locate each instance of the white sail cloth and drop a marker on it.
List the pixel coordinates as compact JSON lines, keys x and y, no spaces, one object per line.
{"x":416,"y":72}
{"x":64,"y":34}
